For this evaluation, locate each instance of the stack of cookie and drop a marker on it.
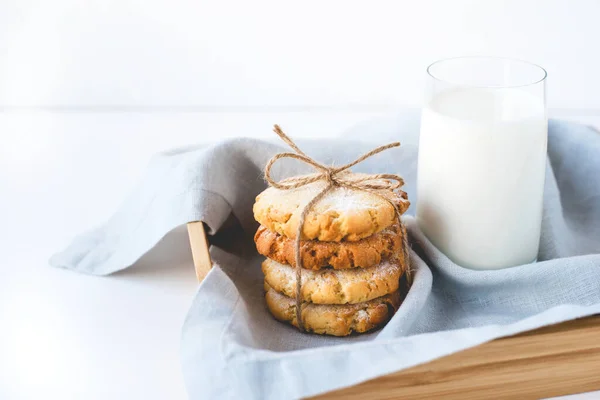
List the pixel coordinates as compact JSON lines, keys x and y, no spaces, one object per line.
{"x":352,"y":256}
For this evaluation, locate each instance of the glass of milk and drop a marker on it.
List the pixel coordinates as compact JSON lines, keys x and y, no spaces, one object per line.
{"x":482,"y":158}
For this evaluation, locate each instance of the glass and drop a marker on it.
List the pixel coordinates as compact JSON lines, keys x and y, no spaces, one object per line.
{"x":482,"y":158}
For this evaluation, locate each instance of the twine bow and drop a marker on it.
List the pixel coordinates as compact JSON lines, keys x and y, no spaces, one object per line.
{"x":335,"y":177}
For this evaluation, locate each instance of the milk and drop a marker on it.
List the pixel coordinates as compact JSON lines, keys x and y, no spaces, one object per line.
{"x":482,"y":156}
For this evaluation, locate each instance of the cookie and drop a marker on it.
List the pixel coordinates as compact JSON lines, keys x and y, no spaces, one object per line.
{"x":343,"y":214}
{"x":336,"y":320}
{"x":330,"y":286}
{"x":364,"y":253}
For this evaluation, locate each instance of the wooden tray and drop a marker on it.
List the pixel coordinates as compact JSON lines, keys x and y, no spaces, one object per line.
{"x":552,"y":361}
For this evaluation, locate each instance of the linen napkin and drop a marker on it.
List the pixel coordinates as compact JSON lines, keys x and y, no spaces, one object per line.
{"x":232,"y":347}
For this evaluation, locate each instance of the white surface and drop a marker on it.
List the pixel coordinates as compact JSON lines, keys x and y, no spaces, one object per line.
{"x":70,"y":336}
{"x":269,"y":52}
{"x":487,"y":145}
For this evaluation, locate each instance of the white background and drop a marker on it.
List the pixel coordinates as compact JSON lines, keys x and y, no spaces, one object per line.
{"x":277,"y":53}
{"x":90,"y":89}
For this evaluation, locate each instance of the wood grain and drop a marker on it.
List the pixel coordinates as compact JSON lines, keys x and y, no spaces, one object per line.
{"x":552,"y":361}
{"x":199,"y":245}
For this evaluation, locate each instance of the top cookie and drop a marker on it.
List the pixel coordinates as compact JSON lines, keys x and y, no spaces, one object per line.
{"x":343,"y":214}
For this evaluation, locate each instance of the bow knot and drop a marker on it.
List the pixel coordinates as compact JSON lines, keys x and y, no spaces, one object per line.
{"x":335,"y":176}
{"x":330,"y":177}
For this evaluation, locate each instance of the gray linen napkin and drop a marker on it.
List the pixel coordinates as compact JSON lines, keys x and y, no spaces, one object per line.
{"x":231,"y":346}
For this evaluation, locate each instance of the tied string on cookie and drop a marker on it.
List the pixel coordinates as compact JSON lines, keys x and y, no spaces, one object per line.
{"x":335,"y":177}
